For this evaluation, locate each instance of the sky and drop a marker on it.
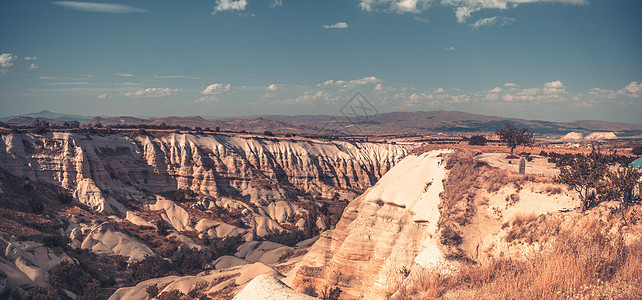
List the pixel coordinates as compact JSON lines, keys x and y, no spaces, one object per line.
{"x":555,"y":60}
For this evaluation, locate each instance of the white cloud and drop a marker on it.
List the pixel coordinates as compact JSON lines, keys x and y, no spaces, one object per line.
{"x":111,"y":8}
{"x":275,"y":3}
{"x":348,"y":85}
{"x":33,"y":67}
{"x":554,"y":87}
{"x":503,"y":21}
{"x":216,"y":88}
{"x":30,"y":58}
{"x":397,"y":6}
{"x":124,"y":75}
{"x":231,"y":5}
{"x":463,"y":12}
{"x":103,"y":96}
{"x":272,"y":87}
{"x":338,"y":25}
{"x":331,"y":82}
{"x":632,"y":90}
{"x":451,"y":48}
{"x":483,"y":22}
{"x":365,"y":80}
{"x":152,"y":93}
{"x":7,"y":60}
{"x":209,"y":99}
{"x":465,"y":8}
{"x":420,"y":19}
{"x":510,"y":84}
{"x":312,"y":98}
{"x":553,"y":91}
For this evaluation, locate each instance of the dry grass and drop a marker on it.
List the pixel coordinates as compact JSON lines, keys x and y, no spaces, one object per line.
{"x":583,"y":262}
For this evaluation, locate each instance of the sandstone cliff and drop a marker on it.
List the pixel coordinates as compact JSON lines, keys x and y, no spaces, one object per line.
{"x":392,"y":225}
{"x":104,"y":171}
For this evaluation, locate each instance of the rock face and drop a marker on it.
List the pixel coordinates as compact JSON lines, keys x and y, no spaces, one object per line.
{"x":407,"y":226}
{"x":105,"y":171}
{"x":391,"y":226}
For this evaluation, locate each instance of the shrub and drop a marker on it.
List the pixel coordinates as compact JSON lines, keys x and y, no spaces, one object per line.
{"x":152,"y":290}
{"x":637,"y":150}
{"x":91,"y":291}
{"x":450,"y":237}
{"x":310,"y":290}
{"x":171,"y":295}
{"x":478,"y":140}
{"x":68,"y":276}
{"x":331,"y":293}
{"x":64,"y":197}
{"x":162,"y":227}
{"x":38,"y":293}
{"x":150,"y":267}
{"x":584,"y":174}
{"x":619,"y":184}
{"x":36,"y":206}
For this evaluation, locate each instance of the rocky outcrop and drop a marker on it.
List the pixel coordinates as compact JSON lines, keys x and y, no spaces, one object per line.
{"x":407,"y":225}
{"x":391,"y":226}
{"x":27,"y":263}
{"x":104,"y":239}
{"x":105,"y":171}
{"x":265,"y":287}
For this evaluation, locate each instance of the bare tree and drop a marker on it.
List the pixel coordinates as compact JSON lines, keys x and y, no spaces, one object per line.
{"x":513,"y":136}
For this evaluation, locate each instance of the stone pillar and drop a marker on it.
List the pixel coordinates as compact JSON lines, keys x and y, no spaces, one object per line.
{"x":522,"y":166}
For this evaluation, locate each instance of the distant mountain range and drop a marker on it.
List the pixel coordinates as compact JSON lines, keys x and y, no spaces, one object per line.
{"x":50,"y":115}
{"x":430,"y":122}
{"x":395,"y":123}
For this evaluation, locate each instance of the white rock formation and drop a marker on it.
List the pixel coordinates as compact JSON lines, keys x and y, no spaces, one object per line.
{"x":266,"y":287}
{"x":28,"y":263}
{"x":104,"y":239}
{"x":393,"y":224}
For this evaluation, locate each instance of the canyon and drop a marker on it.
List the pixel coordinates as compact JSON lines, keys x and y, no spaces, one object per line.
{"x":245,"y":186}
{"x":227,"y":215}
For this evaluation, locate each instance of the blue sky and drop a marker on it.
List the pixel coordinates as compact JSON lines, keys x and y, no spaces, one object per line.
{"x":559,"y":60}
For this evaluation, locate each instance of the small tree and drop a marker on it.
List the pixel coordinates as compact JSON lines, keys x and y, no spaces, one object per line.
{"x":584,"y":174}
{"x":618,"y":185}
{"x":637,"y":150}
{"x":514,"y":136}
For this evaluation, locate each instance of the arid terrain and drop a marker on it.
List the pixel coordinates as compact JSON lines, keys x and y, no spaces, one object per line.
{"x":170,"y":210}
